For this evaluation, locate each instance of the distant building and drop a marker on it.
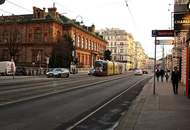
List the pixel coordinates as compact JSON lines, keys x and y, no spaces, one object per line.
{"x":124,"y":48}
{"x":37,"y":33}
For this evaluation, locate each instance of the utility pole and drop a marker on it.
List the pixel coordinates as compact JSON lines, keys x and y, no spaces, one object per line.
{"x":163,"y":59}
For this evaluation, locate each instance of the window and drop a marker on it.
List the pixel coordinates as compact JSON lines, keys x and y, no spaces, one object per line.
{"x":86,"y":44}
{"x":5,"y":54}
{"x":121,"y":50}
{"x":5,"y":36}
{"x":82,"y":42}
{"x":74,"y":37}
{"x":78,"y":41}
{"x":37,"y":55}
{"x":121,"y":43}
{"x":37,"y":34}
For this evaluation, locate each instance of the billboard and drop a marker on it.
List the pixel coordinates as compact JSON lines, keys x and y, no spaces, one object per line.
{"x":182,"y":22}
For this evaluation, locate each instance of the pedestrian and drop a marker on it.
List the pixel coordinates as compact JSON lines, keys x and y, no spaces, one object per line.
{"x":157,"y":74}
{"x":167,"y":76}
{"x":175,"y":77}
{"x":162,"y":72}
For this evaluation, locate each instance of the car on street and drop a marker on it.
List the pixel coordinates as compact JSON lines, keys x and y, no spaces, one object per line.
{"x":20,"y":70}
{"x":138,"y":72}
{"x":58,"y":72}
{"x":91,"y":71}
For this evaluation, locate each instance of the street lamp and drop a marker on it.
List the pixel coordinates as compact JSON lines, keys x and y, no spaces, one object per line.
{"x":39,"y":60}
{"x":47,"y":62}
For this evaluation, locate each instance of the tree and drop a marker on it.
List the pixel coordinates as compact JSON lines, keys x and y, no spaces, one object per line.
{"x":12,"y":36}
{"x":107,"y":55}
{"x":62,"y":53}
{"x":12,"y":39}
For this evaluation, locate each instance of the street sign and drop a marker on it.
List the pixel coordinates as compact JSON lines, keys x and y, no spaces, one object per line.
{"x":162,"y":33}
{"x":164,"y":42}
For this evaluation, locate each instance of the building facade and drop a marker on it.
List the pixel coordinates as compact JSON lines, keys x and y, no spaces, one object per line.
{"x":124,"y":48}
{"x":181,"y":48}
{"x":29,"y":39}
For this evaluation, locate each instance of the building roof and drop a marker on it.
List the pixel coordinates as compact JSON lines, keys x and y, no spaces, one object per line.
{"x":47,"y":17}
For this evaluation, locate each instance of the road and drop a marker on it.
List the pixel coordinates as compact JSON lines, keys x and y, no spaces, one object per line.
{"x":45,"y":104}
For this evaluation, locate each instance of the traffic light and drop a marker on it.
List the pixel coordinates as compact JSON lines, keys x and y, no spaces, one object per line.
{"x":2,"y":2}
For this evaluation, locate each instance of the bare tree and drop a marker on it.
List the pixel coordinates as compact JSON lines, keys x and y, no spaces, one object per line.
{"x":62,"y":52}
{"x":12,"y":39}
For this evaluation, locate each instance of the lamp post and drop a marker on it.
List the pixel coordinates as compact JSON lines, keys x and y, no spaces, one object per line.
{"x":39,"y":61}
{"x":47,"y":62}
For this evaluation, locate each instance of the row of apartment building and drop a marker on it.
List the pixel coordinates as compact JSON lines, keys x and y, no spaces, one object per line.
{"x":124,"y":48}
{"x":29,"y":39}
{"x":180,"y":52}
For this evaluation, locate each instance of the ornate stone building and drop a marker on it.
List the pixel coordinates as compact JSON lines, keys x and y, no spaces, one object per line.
{"x":29,"y":39}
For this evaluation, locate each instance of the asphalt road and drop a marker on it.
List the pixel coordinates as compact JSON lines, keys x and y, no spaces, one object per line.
{"x":49,"y":112}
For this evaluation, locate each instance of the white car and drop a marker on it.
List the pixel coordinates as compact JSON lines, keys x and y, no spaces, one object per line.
{"x":58,"y":72}
{"x":138,"y":72}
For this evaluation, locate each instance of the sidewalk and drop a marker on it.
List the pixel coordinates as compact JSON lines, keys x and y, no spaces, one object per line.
{"x":162,"y":111}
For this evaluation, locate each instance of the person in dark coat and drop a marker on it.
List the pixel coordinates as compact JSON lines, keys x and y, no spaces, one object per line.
{"x":175,"y":77}
{"x":162,"y":73}
{"x":157,"y":74}
{"x":167,"y":75}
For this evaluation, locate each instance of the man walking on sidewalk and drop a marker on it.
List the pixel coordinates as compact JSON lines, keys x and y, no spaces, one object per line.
{"x":175,"y":80}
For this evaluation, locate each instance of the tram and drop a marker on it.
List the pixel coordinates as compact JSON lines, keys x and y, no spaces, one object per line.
{"x":106,"y":68}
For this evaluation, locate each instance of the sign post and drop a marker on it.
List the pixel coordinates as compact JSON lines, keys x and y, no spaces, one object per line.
{"x":159,"y":33}
{"x":154,"y":91}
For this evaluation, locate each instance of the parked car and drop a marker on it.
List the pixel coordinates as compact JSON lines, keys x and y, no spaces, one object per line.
{"x":138,"y":72}
{"x":20,"y":70}
{"x":7,"y":67}
{"x":58,"y":72}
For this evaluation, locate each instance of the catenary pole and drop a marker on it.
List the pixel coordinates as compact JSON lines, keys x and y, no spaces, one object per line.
{"x":154,"y":67}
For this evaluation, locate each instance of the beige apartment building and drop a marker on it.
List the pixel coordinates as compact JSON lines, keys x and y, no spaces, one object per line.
{"x":124,"y":48}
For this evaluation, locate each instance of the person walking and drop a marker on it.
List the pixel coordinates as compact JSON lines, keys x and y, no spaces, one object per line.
{"x":167,"y":75}
{"x":162,"y":72}
{"x":157,"y":74}
{"x":175,"y":77}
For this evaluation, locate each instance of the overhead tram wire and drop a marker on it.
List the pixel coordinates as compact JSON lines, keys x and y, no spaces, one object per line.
{"x":6,"y":12}
{"x":61,"y":5}
{"x":18,"y":6}
{"x":133,"y":20}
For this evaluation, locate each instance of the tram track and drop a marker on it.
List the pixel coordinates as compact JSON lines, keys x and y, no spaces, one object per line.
{"x":21,"y":94}
{"x":76,"y":124}
{"x":61,"y":110}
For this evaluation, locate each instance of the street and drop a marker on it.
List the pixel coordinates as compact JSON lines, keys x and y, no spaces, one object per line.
{"x":42,"y":103}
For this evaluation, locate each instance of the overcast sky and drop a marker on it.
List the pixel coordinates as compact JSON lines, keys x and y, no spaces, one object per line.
{"x":138,"y":17}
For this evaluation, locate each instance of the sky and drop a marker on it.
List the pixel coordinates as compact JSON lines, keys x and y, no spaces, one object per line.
{"x":138,"y":17}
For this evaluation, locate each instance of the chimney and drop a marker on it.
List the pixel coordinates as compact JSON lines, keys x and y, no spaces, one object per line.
{"x":92,"y":28}
{"x":38,"y":13}
{"x":52,"y":11}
